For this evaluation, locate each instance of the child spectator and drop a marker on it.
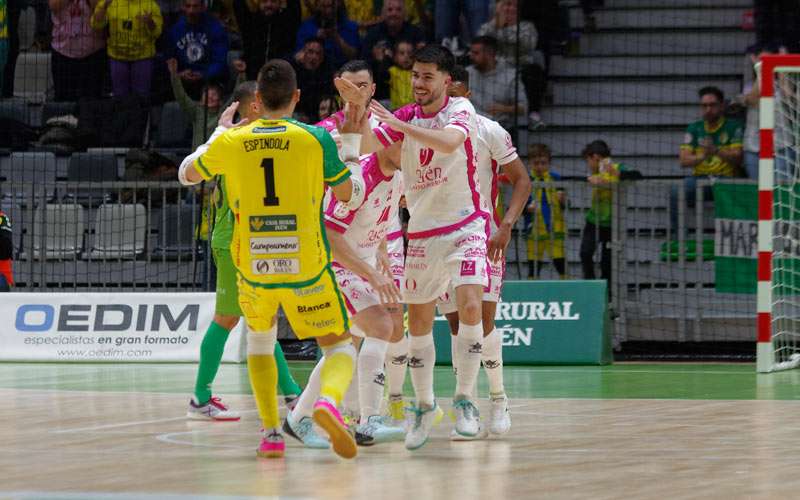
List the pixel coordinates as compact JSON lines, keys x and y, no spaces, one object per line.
{"x":204,"y":114}
{"x":604,"y":173}
{"x":133,"y":27}
{"x":328,"y":105}
{"x":545,"y":214}
{"x":400,"y":90}
{"x":6,"y":252}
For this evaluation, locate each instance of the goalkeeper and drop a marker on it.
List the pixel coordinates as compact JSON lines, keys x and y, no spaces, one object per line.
{"x":203,"y":405}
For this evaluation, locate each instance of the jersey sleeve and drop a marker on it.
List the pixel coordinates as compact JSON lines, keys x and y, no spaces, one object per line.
{"x":212,"y":162}
{"x":386,"y":134}
{"x":334,"y":171}
{"x":337,"y":218}
{"x":501,"y":147}
{"x":689,"y":138}
{"x":461,"y":116}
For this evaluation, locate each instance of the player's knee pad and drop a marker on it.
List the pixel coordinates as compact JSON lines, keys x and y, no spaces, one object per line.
{"x":261,"y":343}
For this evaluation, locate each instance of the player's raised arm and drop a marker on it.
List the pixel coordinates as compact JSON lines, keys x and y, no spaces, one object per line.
{"x":188,"y":174}
{"x":444,"y":140}
{"x":350,"y":190}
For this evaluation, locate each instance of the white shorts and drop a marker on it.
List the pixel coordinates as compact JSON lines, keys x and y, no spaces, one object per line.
{"x":358,"y":293}
{"x":491,"y":293}
{"x":397,"y":259}
{"x":436,"y":263}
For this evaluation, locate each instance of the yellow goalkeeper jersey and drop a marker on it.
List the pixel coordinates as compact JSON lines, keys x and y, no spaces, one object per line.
{"x":275,"y":176}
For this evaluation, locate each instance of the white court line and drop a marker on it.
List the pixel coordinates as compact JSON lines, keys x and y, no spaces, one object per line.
{"x":129,"y":424}
{"x":88,"y":495}
{"x":170,"y":438}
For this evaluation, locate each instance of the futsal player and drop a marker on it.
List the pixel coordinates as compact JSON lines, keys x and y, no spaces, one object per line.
{"x":203,"y":406}
{"x":276,"y":172}
{"x":496,"y":152}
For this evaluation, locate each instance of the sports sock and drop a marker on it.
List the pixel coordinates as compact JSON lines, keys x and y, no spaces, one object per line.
{"x":286,"y":382}
{"x":309,"y":396}
{"x":492,"y":357}
{"x":350,"y":402}
{"x":337,"y":371}
{"x":371,"y":377}
{"x":264,"y":375}
{"x":454,"y":353}
{"x":210,"y":357}
{"x":421,"y":359}
{"x":396,"y":362}
{"x":468,"y":354}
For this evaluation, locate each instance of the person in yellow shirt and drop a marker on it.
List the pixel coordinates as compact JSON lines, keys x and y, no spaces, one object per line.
{"x":545,"y":211}
{"x":133,"y":27}
{"x":276,"y":170}
{"x":401,"y":92}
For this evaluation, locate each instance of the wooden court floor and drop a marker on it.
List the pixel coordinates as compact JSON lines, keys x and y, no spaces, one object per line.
{"x":102,"y":431}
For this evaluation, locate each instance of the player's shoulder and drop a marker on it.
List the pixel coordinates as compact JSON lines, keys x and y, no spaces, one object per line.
{"x":458,"y":105}
{"x":490,"y":127}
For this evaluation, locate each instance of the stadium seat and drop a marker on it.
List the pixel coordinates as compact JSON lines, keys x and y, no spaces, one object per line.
{"x":119,"y":232}
{"x":58,"y":231}
{"x":91,"y":167}
{"x":173,"y":127}
{"x":29,"y":178}
{"x":175,"y":230}
{"x":53,"y":109}
{"x":16,"y":109}
{"x":32,"y":76}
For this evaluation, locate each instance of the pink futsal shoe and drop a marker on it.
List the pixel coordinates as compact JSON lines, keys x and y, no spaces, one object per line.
{"x":213,"y":409}
{"x":328,"y":417}
{"x":272,"y":445}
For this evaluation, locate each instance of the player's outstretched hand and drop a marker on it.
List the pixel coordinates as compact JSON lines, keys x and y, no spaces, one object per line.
{"x":354,"y":117}
{"x":226,"y":118}
{"x":383,"y":114}
{"x":385,"y":287}
{"x":498,"y":243}
{"x":350,"y":92}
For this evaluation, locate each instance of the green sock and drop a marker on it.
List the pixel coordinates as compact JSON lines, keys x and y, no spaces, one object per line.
{"x":285,"y":380}
{"x":210,"y":357}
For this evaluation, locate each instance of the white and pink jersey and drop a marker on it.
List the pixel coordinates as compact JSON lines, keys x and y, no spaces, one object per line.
{"x":366,"y":226}
{"x":495,"y":149}
{"x":442,"y":190}
{"x":329,"y":124}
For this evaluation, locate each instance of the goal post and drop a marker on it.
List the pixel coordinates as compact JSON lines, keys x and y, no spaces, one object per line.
{"x":778,"y":292}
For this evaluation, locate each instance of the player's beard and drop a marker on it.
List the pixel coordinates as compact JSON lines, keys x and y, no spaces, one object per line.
{"x":431,"y":98}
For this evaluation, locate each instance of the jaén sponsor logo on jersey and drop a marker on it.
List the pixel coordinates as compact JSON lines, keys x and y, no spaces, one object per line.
{"x":273,"y":223}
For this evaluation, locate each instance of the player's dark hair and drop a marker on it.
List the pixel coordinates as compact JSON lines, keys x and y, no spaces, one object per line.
{"x":355,"y":66}
{"x":711,"y":90}
{"x":245,"y":93}
{"x":460,"y":74}
{"x":487,"y":41}
{"x":277,"y":83}
{"x":438,"y":55}
{"x":540,"y":150}
{"x":597,"y":147}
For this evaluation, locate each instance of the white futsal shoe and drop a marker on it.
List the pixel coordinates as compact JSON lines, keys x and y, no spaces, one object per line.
{"x":468,"y":422}
{"x":213,"y":409}
{"x":424,"y":420}
{"x":500,"y":419}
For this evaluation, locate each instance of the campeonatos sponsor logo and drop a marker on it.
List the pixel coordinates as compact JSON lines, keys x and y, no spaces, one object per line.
{"x":268,"y":245}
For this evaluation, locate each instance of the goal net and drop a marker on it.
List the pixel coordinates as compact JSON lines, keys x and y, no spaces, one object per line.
{"x":779,"y":215}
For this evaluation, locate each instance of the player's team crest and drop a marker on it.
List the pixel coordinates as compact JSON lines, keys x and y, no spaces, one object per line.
{"x":425,"y":157}
{"x":468,"y":268}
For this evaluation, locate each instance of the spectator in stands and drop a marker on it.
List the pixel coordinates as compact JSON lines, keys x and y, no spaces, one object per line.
{"x":603,"y":174}
{"x":200,"y":44}
{"x":496,"y":90}
{"x":314,"y":78}
{"x":400,"y":90}
{"x":78,"y":60}
{"x":205,"y":113}
{"x":3,"y":37}
{"x":392,"y":29}
{"x":6,"y":253}
{"x":712,"y":147}
{"x":328,"y":105}
{"x":552,"y":24}
{"x":750,"y":99}
{"x":11,"y":28}
{"x":330,"y":23}
{"x":448,"y":18}
{"x":133,"y":27}
{"x":268,"y":31}
{"x":545,"y":214}
{"x":503,"y":27}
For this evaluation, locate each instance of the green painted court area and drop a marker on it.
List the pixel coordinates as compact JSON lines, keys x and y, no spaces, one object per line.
{"x":620,"y":381}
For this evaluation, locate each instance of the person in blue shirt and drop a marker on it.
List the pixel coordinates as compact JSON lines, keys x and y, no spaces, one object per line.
{"x":200,"y":44}
{"x":331,"y":24}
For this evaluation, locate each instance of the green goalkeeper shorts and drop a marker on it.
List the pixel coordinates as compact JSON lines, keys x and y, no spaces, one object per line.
{"x":227,"y":288}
